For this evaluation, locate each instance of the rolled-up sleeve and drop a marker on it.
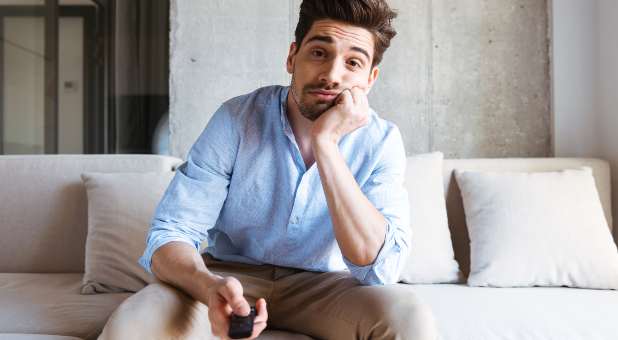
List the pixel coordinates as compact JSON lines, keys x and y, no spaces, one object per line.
{"x":385,"y":189}
{"x":192,"y":202}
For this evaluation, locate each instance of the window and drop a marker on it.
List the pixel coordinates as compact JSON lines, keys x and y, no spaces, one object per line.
{"x":83,"y":76}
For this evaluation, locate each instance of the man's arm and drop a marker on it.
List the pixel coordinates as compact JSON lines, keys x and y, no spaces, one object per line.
{"x":180,"y":265}
{"x":191,"y":205}
{"x":371,"y":224}
{"x":189,"y":208}
{"x":359,"y":227}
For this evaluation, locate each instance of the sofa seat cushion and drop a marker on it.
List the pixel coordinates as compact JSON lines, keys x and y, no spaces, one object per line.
{"x":51,"y":304}
{"x":531,"y":313}
{"x":13,"y":336}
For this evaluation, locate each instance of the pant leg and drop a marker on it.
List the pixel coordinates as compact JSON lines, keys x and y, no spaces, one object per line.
{"x":336,"y":306}
{"x":160,"y":311}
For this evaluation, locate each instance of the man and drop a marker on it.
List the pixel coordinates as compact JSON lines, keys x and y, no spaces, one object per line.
{"x":299,"y":192}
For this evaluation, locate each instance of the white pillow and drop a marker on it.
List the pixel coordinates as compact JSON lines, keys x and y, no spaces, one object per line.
{"x":431,"y":258}
{"x":537,"y":229}
{"x":120,"y":209}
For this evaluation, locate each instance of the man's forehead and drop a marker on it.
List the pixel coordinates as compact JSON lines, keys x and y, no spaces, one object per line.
{"x":353,"y":35}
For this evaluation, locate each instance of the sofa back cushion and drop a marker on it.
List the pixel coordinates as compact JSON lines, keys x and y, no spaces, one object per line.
{"x":455,"y":210}
{"x":43,"y":214}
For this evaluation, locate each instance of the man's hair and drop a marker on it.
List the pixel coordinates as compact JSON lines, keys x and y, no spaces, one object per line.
{"x":373,"y":15}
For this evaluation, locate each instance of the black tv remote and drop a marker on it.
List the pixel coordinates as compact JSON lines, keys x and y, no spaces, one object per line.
{"x":241,"y":326}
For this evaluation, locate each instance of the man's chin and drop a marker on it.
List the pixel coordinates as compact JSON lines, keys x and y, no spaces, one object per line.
{"x":312,"y":116}
{"x":315,"y":112}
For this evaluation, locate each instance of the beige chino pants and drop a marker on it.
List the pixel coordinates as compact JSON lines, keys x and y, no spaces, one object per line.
{"x":332,"y":305}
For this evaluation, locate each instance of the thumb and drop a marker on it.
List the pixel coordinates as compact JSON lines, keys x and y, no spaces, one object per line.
{"x":262,"y":312}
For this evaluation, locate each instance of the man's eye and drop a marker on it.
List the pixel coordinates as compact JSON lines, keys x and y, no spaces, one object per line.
{"x":354,"y":63}
{"x":317,"y":53}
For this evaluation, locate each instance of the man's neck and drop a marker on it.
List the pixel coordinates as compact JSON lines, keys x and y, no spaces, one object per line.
{"x":300,"y":125}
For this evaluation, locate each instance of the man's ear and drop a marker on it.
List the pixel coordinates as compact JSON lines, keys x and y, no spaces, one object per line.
{"x":291,"y":57}
{"x":373,"y":76}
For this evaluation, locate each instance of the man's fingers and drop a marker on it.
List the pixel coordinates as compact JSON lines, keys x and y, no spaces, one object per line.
{"x":257,"y":329}
{"x":360,"y":96}
{"x":232,"y":292}
{"x":345,"y":97}
{"x":218,"y":303}
{"x":357,"y":95}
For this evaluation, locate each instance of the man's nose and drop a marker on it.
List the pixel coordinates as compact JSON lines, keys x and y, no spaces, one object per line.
{"x":332,"y":73}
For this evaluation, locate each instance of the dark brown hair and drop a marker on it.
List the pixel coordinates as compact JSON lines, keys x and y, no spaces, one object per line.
{"x":373,"y":15}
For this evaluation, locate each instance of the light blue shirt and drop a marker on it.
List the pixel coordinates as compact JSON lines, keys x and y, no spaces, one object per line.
{"x":245,"y":188}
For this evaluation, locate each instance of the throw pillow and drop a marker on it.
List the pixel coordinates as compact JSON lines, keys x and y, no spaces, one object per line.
{"x":537,"y":229}
{"x":431,"y":258}
{"x":120,"y":209}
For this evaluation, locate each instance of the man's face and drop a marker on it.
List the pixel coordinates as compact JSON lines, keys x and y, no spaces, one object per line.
{"x":333,"y":56}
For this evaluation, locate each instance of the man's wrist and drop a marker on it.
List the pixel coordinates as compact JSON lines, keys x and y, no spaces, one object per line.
{"x":201,"y":283}
{"x":324,"y":141}
{"x":208,"y":278}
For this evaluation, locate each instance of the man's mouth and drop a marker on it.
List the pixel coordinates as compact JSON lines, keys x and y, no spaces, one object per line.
{"x":324,"y":94}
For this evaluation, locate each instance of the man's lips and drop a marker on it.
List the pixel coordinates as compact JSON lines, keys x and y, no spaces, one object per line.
{"x":324,"y":94}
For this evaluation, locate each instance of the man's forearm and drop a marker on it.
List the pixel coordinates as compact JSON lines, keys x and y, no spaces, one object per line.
{"x":180,"y":265}
{"x":359,"y":228}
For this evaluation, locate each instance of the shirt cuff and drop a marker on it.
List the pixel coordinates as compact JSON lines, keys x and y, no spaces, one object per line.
{"x":378,"y":272}
{"x":158,"y":241}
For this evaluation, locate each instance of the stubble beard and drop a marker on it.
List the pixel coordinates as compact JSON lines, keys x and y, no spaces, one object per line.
{"x":309,"y":111}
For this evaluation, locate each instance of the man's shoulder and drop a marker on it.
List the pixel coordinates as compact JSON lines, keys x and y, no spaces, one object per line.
{"x":256,"y":98}
{"x":380,"y":128}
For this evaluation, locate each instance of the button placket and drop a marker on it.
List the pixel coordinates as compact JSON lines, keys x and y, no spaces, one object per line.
{"x":299,"y":205}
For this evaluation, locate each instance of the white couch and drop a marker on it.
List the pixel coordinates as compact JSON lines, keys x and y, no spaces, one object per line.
{"x":43,"y":226}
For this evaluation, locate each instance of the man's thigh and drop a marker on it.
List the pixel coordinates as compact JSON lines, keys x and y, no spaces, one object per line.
{"x":161,"y":311}
{"x":336,"y":306}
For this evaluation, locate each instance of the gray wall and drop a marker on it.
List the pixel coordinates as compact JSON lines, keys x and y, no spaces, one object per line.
{"x":469,"y":78}
{"x":585,"y":73}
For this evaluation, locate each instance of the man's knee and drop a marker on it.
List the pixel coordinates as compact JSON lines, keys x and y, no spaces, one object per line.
{"x":394,"y":312}
{"x":159,"y":311}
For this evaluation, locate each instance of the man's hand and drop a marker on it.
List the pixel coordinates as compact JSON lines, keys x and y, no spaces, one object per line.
{"x":351,"y":111}
{"x":226,"y":297}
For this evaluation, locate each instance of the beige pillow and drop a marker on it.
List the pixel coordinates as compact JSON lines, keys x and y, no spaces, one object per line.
{"x":120,"y":209}
{"x":431,"y":258}
{"x":537,"y":229}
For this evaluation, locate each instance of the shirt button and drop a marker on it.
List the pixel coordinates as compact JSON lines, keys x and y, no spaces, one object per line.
{"x":295,"y":219}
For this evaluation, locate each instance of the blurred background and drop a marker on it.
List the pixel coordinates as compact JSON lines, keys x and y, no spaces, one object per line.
{"x":83,"y":76}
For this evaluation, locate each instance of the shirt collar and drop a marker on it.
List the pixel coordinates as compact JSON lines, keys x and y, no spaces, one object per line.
{"x":283,"y":110}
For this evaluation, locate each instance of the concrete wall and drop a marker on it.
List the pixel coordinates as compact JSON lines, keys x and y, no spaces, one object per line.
{"x":467,"y":77}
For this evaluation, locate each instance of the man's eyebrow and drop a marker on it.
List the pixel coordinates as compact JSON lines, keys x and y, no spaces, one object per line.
{"x":323,"y":38}
{"x":327,"y":39}
{"x":361,"y":50}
